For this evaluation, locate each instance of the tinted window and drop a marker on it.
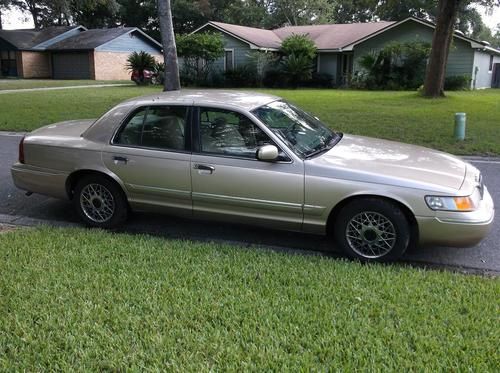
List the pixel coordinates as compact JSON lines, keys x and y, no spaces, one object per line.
{"x":161,"y":127}
{"x":230,"y":133}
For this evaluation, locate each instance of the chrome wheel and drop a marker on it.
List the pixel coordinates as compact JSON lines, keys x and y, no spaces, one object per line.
{"x":97,"y":203}
{"x":371,"y":235}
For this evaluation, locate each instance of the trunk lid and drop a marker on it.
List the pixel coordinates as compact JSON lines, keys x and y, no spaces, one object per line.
{"x":69,"y":128}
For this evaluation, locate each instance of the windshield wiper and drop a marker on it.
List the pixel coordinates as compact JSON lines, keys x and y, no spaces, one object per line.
{"x":327,"y":145}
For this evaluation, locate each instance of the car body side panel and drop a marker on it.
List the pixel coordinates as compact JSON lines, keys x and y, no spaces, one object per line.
{"x":249,"y":191}
{"x":153,"y":178}
{"x":323,"y":194}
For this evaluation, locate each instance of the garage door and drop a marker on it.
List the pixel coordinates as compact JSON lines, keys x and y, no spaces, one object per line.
{"x":71,"y":65}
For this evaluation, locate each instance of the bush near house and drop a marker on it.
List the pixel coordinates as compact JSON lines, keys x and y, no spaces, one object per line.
{"x":198,"y":53}
{"x":241,"y":77}
{"x":137,"y":63}
{"x":398,"y":66}
{"x":297,"y":62}
{"x":457,"y":83}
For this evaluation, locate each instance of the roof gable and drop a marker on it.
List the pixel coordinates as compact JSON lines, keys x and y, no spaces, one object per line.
{"x":30,"y":38}
{"x":256,"y":38}
{"x":95,"y":38}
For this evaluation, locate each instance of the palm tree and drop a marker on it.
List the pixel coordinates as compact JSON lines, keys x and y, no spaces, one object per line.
{"x":138,"y":62}
{"x":172,"y":81}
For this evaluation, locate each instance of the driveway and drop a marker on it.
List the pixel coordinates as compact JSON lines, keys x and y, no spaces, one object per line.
{"x":16,"y":207}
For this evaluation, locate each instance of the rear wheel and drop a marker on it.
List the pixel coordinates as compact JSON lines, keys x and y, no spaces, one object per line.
{"x":371,"y":229}
{"x":100,"y":202}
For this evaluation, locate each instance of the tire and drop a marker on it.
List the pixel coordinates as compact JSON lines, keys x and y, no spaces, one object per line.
{"x":372,"y":230}
{"x":100,"y":203}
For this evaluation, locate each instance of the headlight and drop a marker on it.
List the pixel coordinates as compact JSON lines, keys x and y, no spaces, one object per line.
{"x":450,"y":203}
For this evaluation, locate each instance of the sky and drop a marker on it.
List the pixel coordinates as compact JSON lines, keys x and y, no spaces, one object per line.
{"x":15,"y":19}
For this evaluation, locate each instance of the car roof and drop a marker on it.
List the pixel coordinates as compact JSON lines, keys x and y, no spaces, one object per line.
{"x":210,"y":97}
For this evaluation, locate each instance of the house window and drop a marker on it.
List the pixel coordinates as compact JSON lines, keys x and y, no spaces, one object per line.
{"x":228,"y":59}
{"x":491,"y":63}
{"x":8,"y":66}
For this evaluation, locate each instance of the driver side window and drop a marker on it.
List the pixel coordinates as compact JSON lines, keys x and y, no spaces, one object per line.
{"x":230,"y":133}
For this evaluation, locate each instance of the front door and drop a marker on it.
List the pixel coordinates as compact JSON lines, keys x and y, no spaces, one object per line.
{"x":228,"y":181}
{"x":150,"y":154}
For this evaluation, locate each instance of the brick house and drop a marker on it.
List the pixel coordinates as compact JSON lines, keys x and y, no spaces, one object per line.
{"x":72,"y":52}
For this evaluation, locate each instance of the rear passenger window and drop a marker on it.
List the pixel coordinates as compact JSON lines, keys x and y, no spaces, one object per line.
{"x":158,"y":127}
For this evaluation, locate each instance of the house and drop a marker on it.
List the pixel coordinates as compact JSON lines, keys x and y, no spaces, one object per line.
{"x":72,"y":52}
{"x":340,"y":47}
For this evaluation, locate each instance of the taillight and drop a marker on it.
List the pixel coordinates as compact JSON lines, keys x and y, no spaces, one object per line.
{"x":21,"y":151}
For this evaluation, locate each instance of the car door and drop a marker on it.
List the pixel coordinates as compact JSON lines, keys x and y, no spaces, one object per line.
{"x":151,"y":154}
{"x":228,"y":182}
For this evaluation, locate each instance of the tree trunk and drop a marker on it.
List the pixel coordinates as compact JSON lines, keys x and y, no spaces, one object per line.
{"x":441,"y":41}
{"x":172,"y":81}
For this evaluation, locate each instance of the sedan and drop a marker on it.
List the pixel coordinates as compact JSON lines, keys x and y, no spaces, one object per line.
{"x":256,"y":159}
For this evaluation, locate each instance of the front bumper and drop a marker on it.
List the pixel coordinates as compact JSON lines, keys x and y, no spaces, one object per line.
{"x":458,"y":229}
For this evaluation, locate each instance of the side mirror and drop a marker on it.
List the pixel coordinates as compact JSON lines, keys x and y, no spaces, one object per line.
{"x":267,"y":153}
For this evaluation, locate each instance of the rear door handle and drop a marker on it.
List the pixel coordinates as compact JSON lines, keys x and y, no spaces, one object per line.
{"x":203,"y":167}
{"x":118,"y":159}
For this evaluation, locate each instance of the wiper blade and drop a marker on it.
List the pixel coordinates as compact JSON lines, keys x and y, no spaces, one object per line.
{"x":329,"y":144}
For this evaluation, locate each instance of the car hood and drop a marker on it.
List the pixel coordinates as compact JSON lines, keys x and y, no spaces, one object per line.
{"x":388,"y":162}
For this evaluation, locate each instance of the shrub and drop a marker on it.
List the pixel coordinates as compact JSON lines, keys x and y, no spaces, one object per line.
{"x":320,"y":80}
{"x":158,"y":73}
{"x":241,"y":76}
{"x":298,"y":69}
{"x":396,"y":66}
{"x":457,"y":83}
{"x":299,"y":45}
{"x":140,"y":61}
{"x":261,"y":62}
{"x":198,"y":53}
{"x":298,"y":54}
{"x":275,"y":78}
{"x":137,"y":62}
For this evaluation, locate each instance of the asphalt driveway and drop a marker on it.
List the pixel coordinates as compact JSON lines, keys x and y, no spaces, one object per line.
{"x":15,"y":207}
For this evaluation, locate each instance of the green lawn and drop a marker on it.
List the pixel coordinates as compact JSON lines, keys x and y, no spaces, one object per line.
{"x":402,"y":116}
{"x":46,"y":83}
{"x":91,"y":300}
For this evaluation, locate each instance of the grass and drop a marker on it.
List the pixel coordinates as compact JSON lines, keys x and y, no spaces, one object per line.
{"x":401,"y":116}
{"x":48,"y":83}
{"x":91,"y":300}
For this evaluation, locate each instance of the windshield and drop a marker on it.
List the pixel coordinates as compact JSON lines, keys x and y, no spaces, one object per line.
{"x":304,"y":134}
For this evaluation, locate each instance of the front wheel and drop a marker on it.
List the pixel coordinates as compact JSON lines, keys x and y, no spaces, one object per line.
{"x":100,"y":202}
{"x":372,"y":229}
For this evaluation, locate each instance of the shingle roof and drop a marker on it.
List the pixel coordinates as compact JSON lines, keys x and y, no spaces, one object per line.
{"x":90,"y":39}
{"x":257,"y":36}
{"x":334,"y":36}
{"x":27,"y":39}
{"x":325,"y":36}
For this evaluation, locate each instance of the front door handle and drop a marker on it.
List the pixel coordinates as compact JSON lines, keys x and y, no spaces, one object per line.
{"x":118,"y":159}
{"x":203,"y":167}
